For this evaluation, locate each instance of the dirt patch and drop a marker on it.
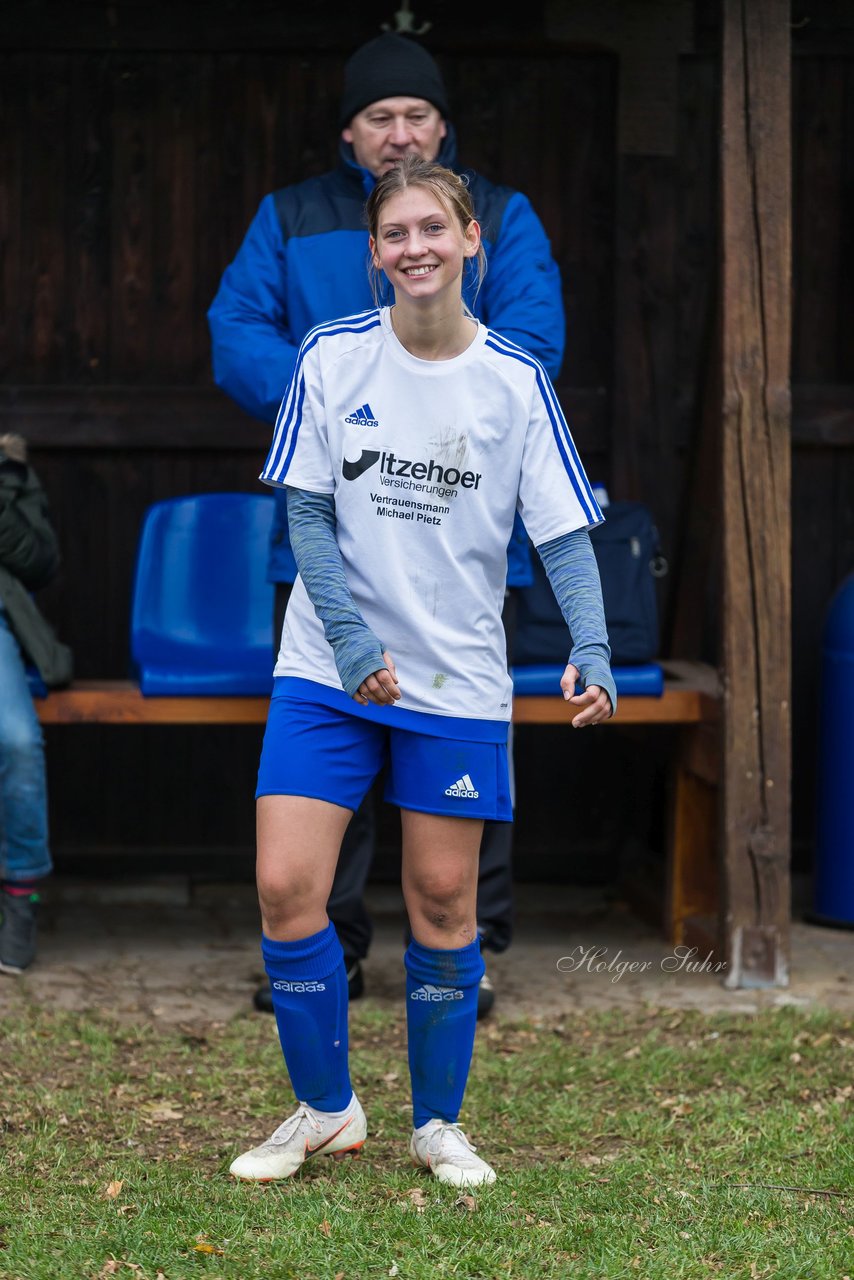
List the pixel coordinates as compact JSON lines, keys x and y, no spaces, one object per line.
{"x":182,"y":954}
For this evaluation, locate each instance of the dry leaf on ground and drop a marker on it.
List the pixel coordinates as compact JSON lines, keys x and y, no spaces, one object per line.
{"x":676,"y":1106}
{"x":160,"y":1112}
{"x":204,"y":1246}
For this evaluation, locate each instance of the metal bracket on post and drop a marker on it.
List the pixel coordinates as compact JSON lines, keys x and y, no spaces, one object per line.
{"x":404,"y":22}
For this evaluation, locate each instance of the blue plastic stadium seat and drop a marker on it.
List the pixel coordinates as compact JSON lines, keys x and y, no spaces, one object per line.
{"x":645,"y":680}
{"x":202,"y":610}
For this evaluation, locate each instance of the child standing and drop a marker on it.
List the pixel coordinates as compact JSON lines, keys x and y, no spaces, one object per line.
{"x":407,"y":440}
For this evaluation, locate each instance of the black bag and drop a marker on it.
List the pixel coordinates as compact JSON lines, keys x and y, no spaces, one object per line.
{"x":52,"y":659}
{"x":629,"y":558}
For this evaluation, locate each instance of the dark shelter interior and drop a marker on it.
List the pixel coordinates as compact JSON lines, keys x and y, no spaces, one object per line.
{"x":139,"y":140}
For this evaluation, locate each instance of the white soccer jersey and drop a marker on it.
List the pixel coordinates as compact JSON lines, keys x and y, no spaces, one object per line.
{"x":428,"y":461}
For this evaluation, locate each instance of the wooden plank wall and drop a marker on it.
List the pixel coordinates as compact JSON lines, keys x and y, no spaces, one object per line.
{"x":137,"y":144}
{"x":134,"y":173}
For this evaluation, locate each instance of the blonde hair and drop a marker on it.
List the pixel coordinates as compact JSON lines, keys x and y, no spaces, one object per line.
{"x":448,"y":187}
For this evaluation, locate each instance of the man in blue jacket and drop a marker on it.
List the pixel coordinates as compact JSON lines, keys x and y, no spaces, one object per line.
{"x":304,"y":261}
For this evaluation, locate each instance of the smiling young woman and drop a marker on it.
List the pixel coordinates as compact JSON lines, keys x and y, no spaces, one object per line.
{"x":408,"y":439}
{"x":421,"y":237}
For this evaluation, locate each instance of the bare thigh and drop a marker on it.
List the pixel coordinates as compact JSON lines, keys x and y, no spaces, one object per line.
{"x":298,"y":841}
{"x":440,"y":861}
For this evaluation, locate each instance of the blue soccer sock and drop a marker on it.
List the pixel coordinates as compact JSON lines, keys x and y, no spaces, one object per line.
{"x":308,"y":983}
{"x":441,"y":1015}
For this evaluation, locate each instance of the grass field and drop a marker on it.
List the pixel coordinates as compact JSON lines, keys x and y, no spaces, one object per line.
{"x":659,"y":1145}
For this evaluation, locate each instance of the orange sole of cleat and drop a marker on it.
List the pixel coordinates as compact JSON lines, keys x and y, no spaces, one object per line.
{"x":353,"y":1152}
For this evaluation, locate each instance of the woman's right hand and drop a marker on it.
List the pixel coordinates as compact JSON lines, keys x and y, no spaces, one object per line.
{"x":381,"y":687}
{"x":594,"y":700}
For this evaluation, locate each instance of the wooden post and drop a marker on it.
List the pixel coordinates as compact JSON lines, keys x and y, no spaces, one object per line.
{"x":756,"y":307}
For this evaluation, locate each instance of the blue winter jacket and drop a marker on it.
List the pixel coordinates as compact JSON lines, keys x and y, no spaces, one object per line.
{"x":304,"y":260}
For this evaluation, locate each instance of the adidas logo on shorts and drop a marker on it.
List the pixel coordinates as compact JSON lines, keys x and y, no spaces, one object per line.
{"x":437,"y":994}
{"x":462,"y":789}
{"x":282,"y":984}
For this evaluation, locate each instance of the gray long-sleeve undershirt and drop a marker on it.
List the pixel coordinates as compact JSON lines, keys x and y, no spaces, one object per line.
{"x":311,"y":521}
{"x":569,"y":562}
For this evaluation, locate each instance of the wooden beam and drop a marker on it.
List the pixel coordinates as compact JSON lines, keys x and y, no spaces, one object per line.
{"x":675,"y":706}
{"x":130,"y":417}
{"x":756,"y":588}
{"x":120,"y":702}
{"x":692,"y":872}
{"x":689,"y":698}
{"x":200,"y":418}
{"x":140,"y":418}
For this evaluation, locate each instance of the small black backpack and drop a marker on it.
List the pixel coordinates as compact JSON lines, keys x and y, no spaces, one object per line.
{"x":629,"y":558}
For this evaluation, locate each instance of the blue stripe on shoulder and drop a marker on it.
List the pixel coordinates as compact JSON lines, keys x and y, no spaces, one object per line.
{"x":560,"y":428}
{"x":286,"y":430}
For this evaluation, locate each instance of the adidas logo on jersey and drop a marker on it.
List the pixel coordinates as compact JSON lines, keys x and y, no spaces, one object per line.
{"x":462,"y":789}
{"x":299,"y":987}
{"x":436,"y":994}
{"x":363,"y":417}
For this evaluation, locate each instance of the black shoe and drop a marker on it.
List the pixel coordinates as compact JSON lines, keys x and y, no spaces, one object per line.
{"x":355,"y":977}
{"x":485,"y":997}
{"x":18,"y":932}
{"x":263,"y":997}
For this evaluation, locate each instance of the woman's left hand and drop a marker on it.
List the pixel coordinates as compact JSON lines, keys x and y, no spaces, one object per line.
{"x":594,"y":700}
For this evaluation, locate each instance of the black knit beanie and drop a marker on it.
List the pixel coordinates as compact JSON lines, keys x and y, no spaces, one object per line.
{"x":390,"y":66}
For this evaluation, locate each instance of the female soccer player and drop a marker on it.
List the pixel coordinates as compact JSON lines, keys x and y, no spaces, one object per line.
{"x":407,"y":439}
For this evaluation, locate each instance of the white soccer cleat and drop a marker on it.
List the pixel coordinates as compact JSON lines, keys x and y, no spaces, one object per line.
{"x":304,"y":1134}
{"x":445,"y":1150}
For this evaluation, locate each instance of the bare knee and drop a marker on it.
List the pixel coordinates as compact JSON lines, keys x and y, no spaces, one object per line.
{"x":443,"y":901}
{"x":298,"y":843}
{"x":290,"y":905}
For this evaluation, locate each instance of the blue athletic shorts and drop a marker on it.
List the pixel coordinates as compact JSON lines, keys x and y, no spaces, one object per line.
{"x":318,"y":751}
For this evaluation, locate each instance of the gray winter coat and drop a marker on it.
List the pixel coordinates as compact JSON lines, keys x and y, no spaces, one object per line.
{"x":29,"y":558}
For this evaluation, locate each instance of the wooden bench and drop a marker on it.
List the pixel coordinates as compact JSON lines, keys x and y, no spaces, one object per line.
{"x":686,"y":911}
